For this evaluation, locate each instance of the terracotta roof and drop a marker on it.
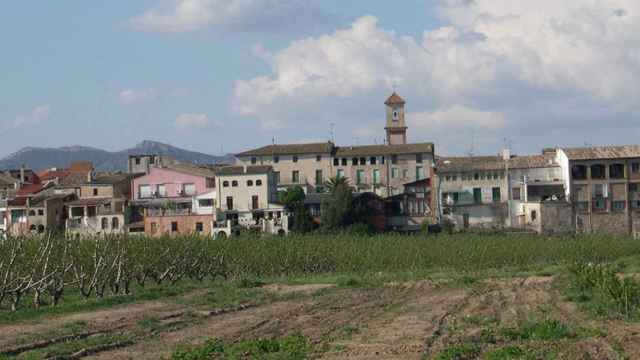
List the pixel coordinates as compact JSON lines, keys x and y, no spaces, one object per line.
{"x":603,"y":152}
{"x":290,"y":149}
{"x":29,"y":190}
{"x":239,"y":170}
{"x":81,"y":166}
{"x":471,"y":163}
{"x":366,"y":150}
{"x":47,"y":175}
{"x":90,"y":201}
{"x":394,"y":99}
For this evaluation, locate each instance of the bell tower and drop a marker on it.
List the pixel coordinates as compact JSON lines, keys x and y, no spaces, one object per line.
{"x":396,"y":127}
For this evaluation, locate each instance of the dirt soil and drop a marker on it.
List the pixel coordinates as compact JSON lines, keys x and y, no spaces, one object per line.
{"x":416,"y":320}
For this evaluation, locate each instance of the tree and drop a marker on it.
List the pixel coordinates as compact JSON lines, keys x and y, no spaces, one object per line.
{"x":291,"y":197}
{"x":293,"y":200}
{"x":337,"y":210}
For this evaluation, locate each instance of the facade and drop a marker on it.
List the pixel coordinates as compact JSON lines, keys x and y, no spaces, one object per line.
{"x":381,"y":169}
{"x":603,"y":184}
{"x":497,"y":191}
{"x":4,"y":217}
{"x":247,"y":199}
{"x":101,"y":206}
{"x":35,"y":215}
{"x":142,"y":164}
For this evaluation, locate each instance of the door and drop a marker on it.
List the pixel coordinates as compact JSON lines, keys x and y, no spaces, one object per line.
{"x":255,"y":203}
{"x":229,"y":202}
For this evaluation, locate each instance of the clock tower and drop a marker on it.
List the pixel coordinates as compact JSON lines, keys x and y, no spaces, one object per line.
{"x":396,"y":127}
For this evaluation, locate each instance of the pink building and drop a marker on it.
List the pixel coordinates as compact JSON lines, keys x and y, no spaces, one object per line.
{"x":176,"y":181}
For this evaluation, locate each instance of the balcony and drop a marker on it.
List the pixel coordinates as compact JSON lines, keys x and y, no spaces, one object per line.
{"x":168,"y":212}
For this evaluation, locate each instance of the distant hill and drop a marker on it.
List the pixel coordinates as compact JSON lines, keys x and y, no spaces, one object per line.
{"x":45,"y":158}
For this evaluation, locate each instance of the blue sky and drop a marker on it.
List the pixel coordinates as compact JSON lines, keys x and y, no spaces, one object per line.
{"x":212,"y":75}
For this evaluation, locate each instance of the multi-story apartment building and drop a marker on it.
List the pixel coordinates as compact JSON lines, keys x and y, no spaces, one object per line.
{"x":100,"y":207}
{"x":603,"y":184}
{"x":383,"y":169}
{"x":499,"y":191}
{"x":247,"y":198}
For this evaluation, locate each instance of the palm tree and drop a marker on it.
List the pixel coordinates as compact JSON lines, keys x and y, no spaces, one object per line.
{"x":335,"y":182}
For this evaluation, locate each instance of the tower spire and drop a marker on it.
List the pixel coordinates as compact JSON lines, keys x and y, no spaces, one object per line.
{"x":395,"y":126}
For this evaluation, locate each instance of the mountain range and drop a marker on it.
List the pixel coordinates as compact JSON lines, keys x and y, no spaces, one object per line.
{"x":46,"y":158}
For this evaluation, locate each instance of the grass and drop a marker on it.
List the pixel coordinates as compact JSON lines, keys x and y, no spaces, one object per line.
{"x":63,"y":350}
{"x":288,"y":348}
{"x":459,"y":352}
{"x":510,"y":353}
{"x":545,"y":330}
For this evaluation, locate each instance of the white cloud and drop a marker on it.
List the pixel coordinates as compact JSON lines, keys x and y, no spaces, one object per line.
{"x":136,"y":96}
{"x":195,"y":121}
{"x":502,"y":65}
{"x":38,"y":115}
{"x":175,"y":16}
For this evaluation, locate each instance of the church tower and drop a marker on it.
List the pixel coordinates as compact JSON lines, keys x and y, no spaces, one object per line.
{"x":396,"y":127}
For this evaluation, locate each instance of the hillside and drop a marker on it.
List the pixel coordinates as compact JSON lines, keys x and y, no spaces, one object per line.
{"x":44,"y":158}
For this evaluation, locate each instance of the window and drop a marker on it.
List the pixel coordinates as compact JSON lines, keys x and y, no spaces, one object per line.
{"x":254,"y":160}
{"x":373,"y":160}
{"x":394,"y":159}
{"x":154,"y":228}
{"x":137,"y":161}
{"x":419,"y":173}
{"x":395,"y":173}
{"x":495,"y":194}
{"x":255,"y":202}
{"x":295,"y":177}
{"x":447,"y":178}
{"x":616,"y":171}
{"x":95,"y":191}
{"x":40,"y":212}
{"x":477,"y":195}
{"x":340,"y":174}
{"x":354,"y":162}
{"x":360,"y":177}
{"x":515,"y":193}
{"x":115,"y":223}
{"x":199,"y":227}
{"x":249,"y":183}
{"x":318,"y":158}
{"x":382,"y":160}
{"x":476,"y":176}
{"x":363,"y":161}
{"x":174,"y":226}
{"x":319,"y":178}
{"x":229,"y":202}
{"x":597,"y":171}
{"x":419,"y":158}
{"x":376,"y":176}
{"x":600,"y":191}
{"x":599,"y":205}
{"x":395,"y":115}
{"x":205,"y":203}
{"x":295,"y":158}
{"x":453,"y":178}
{"x":104,"y":224}
{"x":534,"y":215}
{"x":162,"y":190}
{"x":234,"y":183}
{"x":579,"y":172}
{"x":276,"y":159}
{"x":190,"y":189}
{"x":635,"y":167}
{"x":344,"y":161}
{"x":635,"y":204}
{"x":225,"y":184}
{"x":633,"y":187}
{"x":276,"y":177}
{"x":582,"y":206}
{"x":258,"y":182}
{"x":336,"y":162}
{"x":210,"y":183}
{"x":619,"y":205}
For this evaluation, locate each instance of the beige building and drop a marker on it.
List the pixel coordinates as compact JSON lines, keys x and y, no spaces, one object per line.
{"x":383,"y":169}
{"x":500,"y":191}
{"x":603,"y":184}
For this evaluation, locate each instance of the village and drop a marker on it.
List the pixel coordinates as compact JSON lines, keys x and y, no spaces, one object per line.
{"x":407,"y":186}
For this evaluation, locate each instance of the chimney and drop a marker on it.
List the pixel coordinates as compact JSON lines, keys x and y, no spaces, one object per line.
{"x":22,"y":177}
{"x":505,"y":154}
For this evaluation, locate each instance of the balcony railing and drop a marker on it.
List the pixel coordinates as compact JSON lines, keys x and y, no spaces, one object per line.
{"x":169,"y":212}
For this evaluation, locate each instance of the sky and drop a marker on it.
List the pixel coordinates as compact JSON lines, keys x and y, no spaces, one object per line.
{"x":221,"y":76}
